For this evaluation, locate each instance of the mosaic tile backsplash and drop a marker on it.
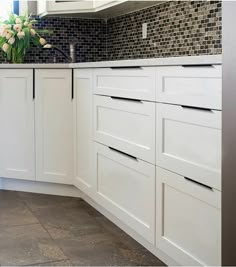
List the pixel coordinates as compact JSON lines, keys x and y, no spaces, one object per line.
{"x":175,"y":28}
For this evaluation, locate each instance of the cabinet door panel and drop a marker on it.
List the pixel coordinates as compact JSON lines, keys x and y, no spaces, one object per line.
{"x":188,"y":225}
{"x":133,"y":83}
{"x":199,"y":86}
{"x":126,"y":188}
{"x":54,"y":125}
{"x":84,"y":178}
{"x":189,"y":142}
{"x":126,"y":125}
{"x":17,"y":153}
{"x":70,"y":6}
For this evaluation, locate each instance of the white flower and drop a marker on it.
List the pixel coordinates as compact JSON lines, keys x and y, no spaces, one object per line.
{"x":3,"y":33}
{"x":32,"y":32}
{"x":5,"y":47}
{"x":20,"y":35}
{"x":11,"y":41}
{"x":6,"y":26}
{"x":17,"y":27}
{"x":48,"y":46}
{"x":9,"y":34}
{"x":18,"y":21}
{"x":42,"y":41}
{"x":26,"y":23}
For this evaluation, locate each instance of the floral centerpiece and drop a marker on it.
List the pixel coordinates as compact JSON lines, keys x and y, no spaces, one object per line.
{"x":17,"y":34}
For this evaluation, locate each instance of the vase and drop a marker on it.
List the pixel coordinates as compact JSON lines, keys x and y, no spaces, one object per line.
{"x":17,"y":57}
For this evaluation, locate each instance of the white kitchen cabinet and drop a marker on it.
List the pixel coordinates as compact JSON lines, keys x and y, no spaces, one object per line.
{"x":54,"y":125}
{"x":127,"y":125}
{"x":126,"y":188}
{"x":17,"y":149}
{"x":188,"y":226}
{"x":188,"y":142}
{"x":132,"y":83}
{"x":83,"y":131}
{"x":199,"y":86}
{"x":49,"y":7}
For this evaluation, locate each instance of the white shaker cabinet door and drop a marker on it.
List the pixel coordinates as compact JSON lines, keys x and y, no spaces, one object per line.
{"x":17,"y":151}
{"x":131,"y":83}
{"x":127,"y":125}
{"x":84,"y":178}
{"x":189,"y":142}
{"x":54,"y":125}
{"x":126,"y":188}
{"x":199,"y":86}
{"x":188,"y":226}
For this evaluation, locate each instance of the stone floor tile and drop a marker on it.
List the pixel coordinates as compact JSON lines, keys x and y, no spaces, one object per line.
{"x":27,"y":245}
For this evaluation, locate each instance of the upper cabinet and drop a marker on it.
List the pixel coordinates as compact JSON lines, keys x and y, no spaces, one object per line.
{"x":46,"y":7}
{"x":90,"y":8}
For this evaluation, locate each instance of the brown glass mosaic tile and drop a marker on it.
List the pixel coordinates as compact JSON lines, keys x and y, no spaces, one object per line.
{"x":175,"y":28}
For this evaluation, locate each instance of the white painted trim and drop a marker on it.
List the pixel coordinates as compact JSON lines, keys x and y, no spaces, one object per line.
{"x":39,"y":187}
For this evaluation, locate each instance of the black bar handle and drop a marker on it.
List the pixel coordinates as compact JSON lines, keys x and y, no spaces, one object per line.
{"x":198,"y":183}
{"x":198,"y":66}
{"x":125,"y":99}
{"x":123,"y":153}
{"x":125,"y":67}
{"x":33,"y":84}
{"x":197,"y":108}
{"x":72,"y":85}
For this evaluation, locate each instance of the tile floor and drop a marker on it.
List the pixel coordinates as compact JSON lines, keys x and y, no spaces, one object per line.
{"x":47,"y":230}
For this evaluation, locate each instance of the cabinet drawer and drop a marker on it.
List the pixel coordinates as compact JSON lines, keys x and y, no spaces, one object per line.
{"x":191,"y":86}
{"x":189,"y":142}
{"x":126,"y":188}
{"x":188,"y":226}
{"x":126,"y":125}
{"x":135,"y":83}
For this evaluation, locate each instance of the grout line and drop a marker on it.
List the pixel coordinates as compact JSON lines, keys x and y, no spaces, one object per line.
{"x":18,"y":225}
{"x":36,"y":264}
{"x":42,"y":225}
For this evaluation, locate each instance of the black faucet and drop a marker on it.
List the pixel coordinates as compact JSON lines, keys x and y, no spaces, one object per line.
{"x":70,"y":59}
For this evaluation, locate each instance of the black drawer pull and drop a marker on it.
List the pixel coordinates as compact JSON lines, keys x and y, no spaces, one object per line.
{"x":198,"y":66}
{"x":72,"y":87}
{"x":197,"y":108}
{"x":198,"y":183}
{"x":125,"y":99}
{"x":125,"y":67}
{"x":33,"y":84}
{"x":123,"y":153}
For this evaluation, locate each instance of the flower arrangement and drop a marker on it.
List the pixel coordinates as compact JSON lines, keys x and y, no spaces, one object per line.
{"x":17,"y":34}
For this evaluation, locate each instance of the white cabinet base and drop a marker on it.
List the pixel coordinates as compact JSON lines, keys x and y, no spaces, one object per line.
{"x":188,"y":226}
{"x":189,"y":143}
{"x":83,"y":131}
{"x":17,"y":146}
{"x":126,"y":188}
{"x":126,"y":125}
{"x":54,"y":125}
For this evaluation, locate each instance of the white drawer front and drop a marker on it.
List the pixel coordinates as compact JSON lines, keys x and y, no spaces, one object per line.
{"x":189,"y":142}
{"x":188,"y":226}
{"x":126,"y":125}
{"x":191,"y":86}
{"x":136,"y":83}
{"x":126,"y":188}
